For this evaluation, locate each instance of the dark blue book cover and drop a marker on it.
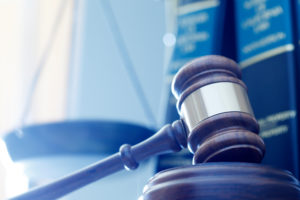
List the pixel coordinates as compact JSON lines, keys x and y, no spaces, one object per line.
{"x":296,"y":12}
{"x":200,"y":28}
{"x":296,"y":25}
{"x":265,"y":51}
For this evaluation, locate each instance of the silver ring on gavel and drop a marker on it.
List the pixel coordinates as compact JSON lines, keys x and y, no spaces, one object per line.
{"x":213,"y":99}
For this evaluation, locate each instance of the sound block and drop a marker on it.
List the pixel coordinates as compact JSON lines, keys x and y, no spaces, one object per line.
{"x":216,"y":181}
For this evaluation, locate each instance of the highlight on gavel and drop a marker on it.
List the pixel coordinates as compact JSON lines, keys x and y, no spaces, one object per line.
{"x":217,"y":125}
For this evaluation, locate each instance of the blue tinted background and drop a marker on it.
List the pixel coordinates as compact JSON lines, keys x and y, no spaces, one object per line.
{"x":104,"y":90}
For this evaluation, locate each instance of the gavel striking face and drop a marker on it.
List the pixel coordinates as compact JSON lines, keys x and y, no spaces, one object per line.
{"x":213,"y":103}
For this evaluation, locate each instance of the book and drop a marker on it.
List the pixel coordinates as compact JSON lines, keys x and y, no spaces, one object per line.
{"x":199,"y":31}
{"x":296,"y":31}
{"x":265,"y":52}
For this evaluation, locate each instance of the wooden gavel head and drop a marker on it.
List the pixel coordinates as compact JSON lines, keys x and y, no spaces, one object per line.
{"x":222,"y":130}
{"x":214,"y":105}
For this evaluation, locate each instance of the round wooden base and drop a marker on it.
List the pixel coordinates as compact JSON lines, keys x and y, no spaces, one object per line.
{"x":216,"y":181}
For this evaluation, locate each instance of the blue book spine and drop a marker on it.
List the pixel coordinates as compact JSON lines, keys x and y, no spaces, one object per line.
{"x":296,"y":24}
{"x":199,"y":32}
{"x":265,"y":51}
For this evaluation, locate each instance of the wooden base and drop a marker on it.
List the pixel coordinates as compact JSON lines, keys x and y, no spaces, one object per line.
{"x":216,"y":181}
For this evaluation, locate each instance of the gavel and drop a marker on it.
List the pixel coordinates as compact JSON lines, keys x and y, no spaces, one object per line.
{"x":217,"y":125}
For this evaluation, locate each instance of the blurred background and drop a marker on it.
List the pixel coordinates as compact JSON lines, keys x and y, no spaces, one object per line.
{"x":65,"y":60}
{"x":79,"y":78}
{"x":62,"y":59}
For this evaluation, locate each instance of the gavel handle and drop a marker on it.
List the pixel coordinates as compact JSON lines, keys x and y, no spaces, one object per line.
{"x":170,"y":138}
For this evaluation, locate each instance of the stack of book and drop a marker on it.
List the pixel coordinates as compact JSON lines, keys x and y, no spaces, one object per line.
{"x":262,"y":36}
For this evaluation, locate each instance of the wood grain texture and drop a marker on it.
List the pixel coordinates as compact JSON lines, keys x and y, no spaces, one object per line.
{"x":203,"y":67}
{"x":223,"y":181}
{"x":203,"y":71}
{"x":229,"y":136}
